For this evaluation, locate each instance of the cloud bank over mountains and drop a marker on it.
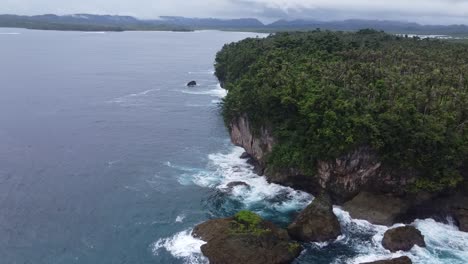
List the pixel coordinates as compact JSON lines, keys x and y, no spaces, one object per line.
{"x":422,"y":11}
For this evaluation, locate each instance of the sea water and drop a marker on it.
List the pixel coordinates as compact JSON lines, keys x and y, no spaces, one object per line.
{"x":107,"y":157}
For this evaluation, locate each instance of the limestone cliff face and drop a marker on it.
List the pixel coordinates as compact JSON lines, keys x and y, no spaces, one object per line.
{"x":257,"y":146}
{"x":343,"y":177}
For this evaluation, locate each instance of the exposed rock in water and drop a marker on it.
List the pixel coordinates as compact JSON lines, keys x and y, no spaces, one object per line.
{"x":245,"y":155}
{"x":403,"y":238}
{"x":400,"y":260}
{"x":377,"y":209}
{"x":192,"y":84}
{"x":316,"y":223}
{"x":246,"y":238}
{"x":232,"y":185}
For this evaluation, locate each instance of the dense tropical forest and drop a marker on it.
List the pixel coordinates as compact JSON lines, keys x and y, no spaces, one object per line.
{"x":326,"y":93}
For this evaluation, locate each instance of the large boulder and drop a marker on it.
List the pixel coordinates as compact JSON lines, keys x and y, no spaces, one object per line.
{"x":378,"y":209}
{"x":246,"y":238}
{"x":192,"y":84}
{"x":403,"y":238}
{"x":400,"y":260}
{"x":316,"y":223}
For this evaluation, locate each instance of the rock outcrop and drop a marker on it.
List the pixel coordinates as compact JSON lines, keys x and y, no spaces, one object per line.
{"x":316,"y":223}
{"x":192,"y":84}
{"x":377,"y":209}
{"x":246,"y":238}
{"x":400,"y":260}
{"x":403,"y":238}
{"x":256,"y":146}
{"x":453,"y":204}
{"x":230,"y":186}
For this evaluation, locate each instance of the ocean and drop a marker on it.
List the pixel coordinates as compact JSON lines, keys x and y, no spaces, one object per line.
{"x":106,"y":156}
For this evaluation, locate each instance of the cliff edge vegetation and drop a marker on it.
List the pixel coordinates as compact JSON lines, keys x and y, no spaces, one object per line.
{"x":324,"y":94}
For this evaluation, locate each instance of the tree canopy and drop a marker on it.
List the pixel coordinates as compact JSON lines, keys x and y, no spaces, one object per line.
{"x":326,"y":93}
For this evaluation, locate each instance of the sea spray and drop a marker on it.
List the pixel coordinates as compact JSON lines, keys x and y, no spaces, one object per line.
{"x":182,"y":246}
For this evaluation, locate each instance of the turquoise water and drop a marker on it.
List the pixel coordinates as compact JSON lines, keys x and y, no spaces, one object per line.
{"x":107,"y":157}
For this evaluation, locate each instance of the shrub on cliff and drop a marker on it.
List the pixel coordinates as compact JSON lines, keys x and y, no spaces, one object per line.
{"x":326,"y":93}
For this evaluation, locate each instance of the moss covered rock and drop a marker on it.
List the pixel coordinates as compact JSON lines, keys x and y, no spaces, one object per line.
{"x":246,"y":238}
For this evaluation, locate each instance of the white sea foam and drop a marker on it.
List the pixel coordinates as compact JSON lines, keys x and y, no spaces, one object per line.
{"x":180,"y":218}
{"x":10,"y":33}
{"x":225,"y":168}
{"x":216,"y":92}
{"x":445,"y":243}
{"x":182,"y":246}
{"x":131,"y":99}
{"x":210,"y":72}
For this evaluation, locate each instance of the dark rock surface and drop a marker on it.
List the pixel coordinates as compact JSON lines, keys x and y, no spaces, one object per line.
{"x":453,"y":204}
{"x":403,"y":238}
{"x":232,"y":185}
{"x":461,"y":217}
{"x":192,"y":84}
{"x":400,"y":260}
{"x":316,"y":223}
{"x":377,"y":209}
{"x":245,"y":155}
{"x":227,"y":245}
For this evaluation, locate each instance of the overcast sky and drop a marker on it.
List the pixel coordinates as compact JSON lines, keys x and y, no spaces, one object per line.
{"x":422,"y":11}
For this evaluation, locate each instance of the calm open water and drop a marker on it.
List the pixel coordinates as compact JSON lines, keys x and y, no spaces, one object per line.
{"x":106,"y":156}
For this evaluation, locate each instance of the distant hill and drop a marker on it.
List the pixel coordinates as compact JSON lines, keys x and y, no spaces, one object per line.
{"x":84,"y":22}
{"x":213,"y":23}
{"x":89,"y":22}
{"x":356,"y":24}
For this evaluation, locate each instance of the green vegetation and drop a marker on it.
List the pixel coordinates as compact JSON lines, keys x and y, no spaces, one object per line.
{"x":327,"y":93}
{"x":294,"y":247}
{"x":246,"y":222}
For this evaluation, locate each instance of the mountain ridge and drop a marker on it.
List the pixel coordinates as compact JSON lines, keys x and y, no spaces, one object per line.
{"x":83,"y":21}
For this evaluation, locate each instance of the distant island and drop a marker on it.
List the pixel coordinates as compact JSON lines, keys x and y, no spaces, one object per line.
{"x":90,"y":22}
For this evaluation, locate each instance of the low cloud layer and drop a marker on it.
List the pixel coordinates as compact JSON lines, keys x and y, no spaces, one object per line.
{"x":423,"y":11}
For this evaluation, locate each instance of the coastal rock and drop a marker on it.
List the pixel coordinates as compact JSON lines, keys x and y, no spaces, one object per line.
{"x":232,"y":185}
{"x":450,"y":204}
{"x":246,"y":238}
{"x":316,"y":223}
{"x":461,"y":217}
{"x":361,"y":170}
{"x":400,"y":260}
{"x":245,"y":155}
{"x":256,"y":146}
{"x":377,"y":209}
{"x":192,"y":84}
{"x":403,"y":238}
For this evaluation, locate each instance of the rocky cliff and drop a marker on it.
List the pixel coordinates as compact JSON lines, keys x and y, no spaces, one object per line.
{"x":367,"y":188}
{"x":343,"y":177}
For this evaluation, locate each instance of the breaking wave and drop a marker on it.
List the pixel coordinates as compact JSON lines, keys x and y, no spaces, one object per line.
{"x":182,"y":246}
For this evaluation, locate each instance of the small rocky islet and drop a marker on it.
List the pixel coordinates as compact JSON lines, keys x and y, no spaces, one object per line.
{"x":379,"y":173}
